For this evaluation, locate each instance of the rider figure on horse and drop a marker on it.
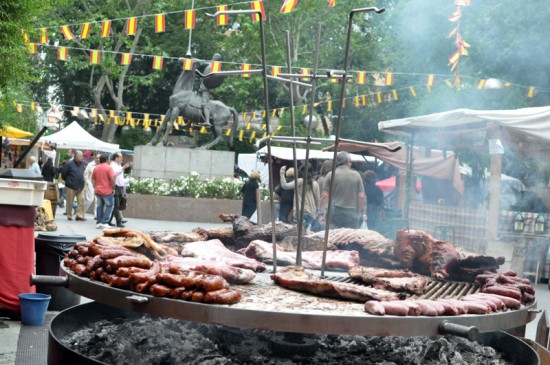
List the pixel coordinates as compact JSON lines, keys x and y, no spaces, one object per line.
{"x":207,"y":84}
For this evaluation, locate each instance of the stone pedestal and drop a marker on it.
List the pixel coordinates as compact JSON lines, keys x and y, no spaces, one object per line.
{"x":173,"y":162}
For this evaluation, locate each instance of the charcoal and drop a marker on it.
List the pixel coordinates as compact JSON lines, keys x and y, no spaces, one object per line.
{"x":153,"y":340}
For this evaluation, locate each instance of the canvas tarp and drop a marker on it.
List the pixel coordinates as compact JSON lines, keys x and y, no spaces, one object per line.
{"x":525,"y":130}
{"x":438,"y":164}
{"x":75,"y":137}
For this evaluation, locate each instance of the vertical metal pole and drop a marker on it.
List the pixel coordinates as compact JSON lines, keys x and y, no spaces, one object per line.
{"x":268,"y":131}
{"x":409,"y":184}
{"x":308,"y":146}
{"x":190,"y":32}
{"x":336,"y":142}
{"x":293,"y":131}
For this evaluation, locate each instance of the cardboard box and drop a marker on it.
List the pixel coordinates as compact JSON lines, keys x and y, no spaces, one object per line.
{"x":22,"y":192}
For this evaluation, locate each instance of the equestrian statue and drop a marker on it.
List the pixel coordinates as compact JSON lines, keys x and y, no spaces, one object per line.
{"x":198,"y":107}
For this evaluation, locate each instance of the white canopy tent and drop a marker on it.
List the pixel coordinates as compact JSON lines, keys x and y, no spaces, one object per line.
{"x":526,"y":131}
{"x":75,"y":137}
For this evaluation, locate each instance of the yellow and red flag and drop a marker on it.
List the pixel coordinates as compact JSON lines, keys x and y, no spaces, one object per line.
{"x":333,"y":80}
{"x":157,"y":62}
{"x":379,"y":97}
{"x":160,"y":23}
{"x":430,"y":81}
{"x":216,"y":66}
{"x":67,"y":32}
{"x":43,"y":36}
{"x":481,"y":84}
{"x":126,"y":59}
{"x":131,"y":26}
{"x":305,"y":71}
{"x":288,"y":6}
{"x":190,"y":19}
{"x":388,"y":81}
{"x":85,"y":31}
{"x":457,"y":14}
{"x":95,"y":57}
{"x":105,"y":28}
{"x":258,"y":5}
{"x":32,"y":48}
{"x":62,"y":53}
{"x":246,"y":67}
{"x":361,"y":77}
{"x":463,"y":2}
{"x":25,"y":37}
{"x":531,"y":91}
{"x":331,"y":3}
{"x":454,"y":58}
{"x":275,"y":70}
{"x":222,"y":19}
{"x":394,"y":94}
{"x":187,"y":64}
{"x":412,"y":90}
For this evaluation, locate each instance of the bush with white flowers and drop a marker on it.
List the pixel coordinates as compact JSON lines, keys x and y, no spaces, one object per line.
{"x":192,"y":186}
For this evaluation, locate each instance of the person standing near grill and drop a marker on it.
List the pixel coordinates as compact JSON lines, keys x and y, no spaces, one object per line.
{"x":375,"y":198}
{"x":311,"y":200}
{"x":118,"y":169}
{"x":348,"y":201}
{"x":103,"y":180}
{"x":73,"y":175}
{"x":286,"y":196}
{"x":49,"y":170}
{"x":33,"y":166}
{"x":89,"y":194}
{"x":251,"y":194}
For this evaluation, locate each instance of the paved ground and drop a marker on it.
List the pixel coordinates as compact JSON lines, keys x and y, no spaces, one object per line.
{"x":18,"y":343}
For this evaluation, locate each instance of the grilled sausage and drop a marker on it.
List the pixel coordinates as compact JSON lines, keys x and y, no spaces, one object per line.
{"x":510,"y":303}
{"x":395,"y":308}
{"x":159,"y":290}
{"x":375,"y":308}
{"x":503,"y":290}
{"x":223,"y":296}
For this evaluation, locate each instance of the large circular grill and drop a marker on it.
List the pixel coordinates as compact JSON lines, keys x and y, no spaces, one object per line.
{"x":267,"y":306}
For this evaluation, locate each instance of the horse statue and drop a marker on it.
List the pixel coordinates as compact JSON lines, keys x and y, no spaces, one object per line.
{"x":189,"y":104}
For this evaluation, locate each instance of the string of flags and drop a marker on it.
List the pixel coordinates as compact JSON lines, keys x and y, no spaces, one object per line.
{"x":460,"y":44}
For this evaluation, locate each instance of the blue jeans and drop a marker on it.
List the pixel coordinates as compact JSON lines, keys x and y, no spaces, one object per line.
{"x":105,"y":206}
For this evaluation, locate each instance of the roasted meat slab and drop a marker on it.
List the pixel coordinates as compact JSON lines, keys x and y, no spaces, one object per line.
{"x":296,"y":278}
{"x":215,"y":251}
{"x":394,"y":280}
{"x":338,"y":259}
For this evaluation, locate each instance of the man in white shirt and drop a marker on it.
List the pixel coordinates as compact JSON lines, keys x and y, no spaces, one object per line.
{"x":33,"y":166}
{"x":118,"y":169}
{"x":89,"y":194}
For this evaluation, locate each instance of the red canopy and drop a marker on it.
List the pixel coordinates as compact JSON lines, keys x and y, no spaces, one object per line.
{"x":389,"y":184}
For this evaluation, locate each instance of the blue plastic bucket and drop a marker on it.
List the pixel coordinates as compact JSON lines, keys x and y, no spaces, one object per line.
{"x":33,"y":308}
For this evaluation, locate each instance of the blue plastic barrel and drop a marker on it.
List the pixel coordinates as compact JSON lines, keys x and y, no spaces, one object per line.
{"x":33,"y":308}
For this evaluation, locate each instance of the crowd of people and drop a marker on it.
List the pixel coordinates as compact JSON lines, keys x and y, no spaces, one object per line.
{"x":355,"y":199}
{"x":83,"y":181}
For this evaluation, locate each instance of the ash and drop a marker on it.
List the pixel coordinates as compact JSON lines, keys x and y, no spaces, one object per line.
{"x":152,"y":340}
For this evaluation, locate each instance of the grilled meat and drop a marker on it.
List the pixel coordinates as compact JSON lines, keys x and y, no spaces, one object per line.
{"x":394,"y":280}
{"x":296,"y":278}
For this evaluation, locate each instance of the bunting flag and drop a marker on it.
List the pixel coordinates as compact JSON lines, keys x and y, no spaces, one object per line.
{"x":531,"y":92}
{"x":305,"y":71}
{"x":275,"y":70}
{"x":160,"y":23}
{"x":157,"y":62}
{"x":430,"y":81}
{"x":105,"y":28}
{"x":462,"y":2}
{"x":453,"y":32}
{"x":228,"y":132}
{"x":111,"y":113}
{"x":85,"y":31}
{"x":413,"y":91}
{"x":457,"y":14}
{"x":67,"y":33}
{"x":304,"y":109}
{"x":252,"y":137}
{"x":356,"y":100}
{"x":258,"y":5}
{"x":131,"y":26}
{"x":25,"y":38}
{"x":481,"y":84}
{"x":379,"y":97}
{"x":20,"y":108}
{"x":190,"y":19}
{"x":361,"y":77}
{"x":187,"y":64}
{"x":216,"y":66}
{"x":222,"y":19}
{"x":453,"y":59}
{"x":32,"y":48}
{"x":246,"y":67}
{"x":95,"y":57}
{"x":388,"y":81}
{"x":33,"y":105}
{"x":126,"y":59}
{"x":43,"y":36}
{"x":334,"y":80}
{"x":241,"y":134}
{"x":62,"y":53}
{"x":288,"y":6}
{"x":93,"y":113}
{"x":394,"y":94}
{"x":331,"y":3}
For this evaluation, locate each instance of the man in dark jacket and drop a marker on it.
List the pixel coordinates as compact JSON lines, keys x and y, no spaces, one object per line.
{"x":73,"y":175}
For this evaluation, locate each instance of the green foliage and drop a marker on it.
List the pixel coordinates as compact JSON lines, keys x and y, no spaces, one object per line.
{"x":132,"y":137}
